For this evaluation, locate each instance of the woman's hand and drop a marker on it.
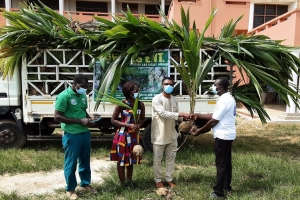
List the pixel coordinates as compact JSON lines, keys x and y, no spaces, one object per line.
{"x":135,"y":127}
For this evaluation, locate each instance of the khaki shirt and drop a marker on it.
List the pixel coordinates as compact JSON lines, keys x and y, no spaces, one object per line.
{"x":164,"y":114}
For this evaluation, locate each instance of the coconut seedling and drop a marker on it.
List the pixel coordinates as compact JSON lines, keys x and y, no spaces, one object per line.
{"x":192,"y":68}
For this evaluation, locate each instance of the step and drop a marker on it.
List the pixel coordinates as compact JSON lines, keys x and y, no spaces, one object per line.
{"x":290,"y":116}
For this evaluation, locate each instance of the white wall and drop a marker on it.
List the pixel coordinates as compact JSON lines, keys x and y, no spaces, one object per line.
{"x":293,"y":108}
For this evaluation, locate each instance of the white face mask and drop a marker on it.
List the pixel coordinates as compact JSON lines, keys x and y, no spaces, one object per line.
{"x":135,"y":95}
{"x":214,"y":89}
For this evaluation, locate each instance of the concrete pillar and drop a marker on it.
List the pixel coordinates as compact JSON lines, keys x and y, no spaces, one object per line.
{"x":162,"y":5}
{"x":61,"y":7}
{"x":162,"y":2}
{"x":293,"y":108}
{"x":113,"y":9}
{"x":7,"y":7}
{"x":251,"y":17}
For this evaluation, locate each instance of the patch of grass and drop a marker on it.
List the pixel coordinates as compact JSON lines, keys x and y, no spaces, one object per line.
{"x":266,"y":166}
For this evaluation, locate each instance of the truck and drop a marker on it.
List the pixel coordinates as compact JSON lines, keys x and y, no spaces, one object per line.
{"x":27,"y":98}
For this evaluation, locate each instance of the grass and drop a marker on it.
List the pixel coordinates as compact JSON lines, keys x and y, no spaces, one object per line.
{"x":266,"y":165}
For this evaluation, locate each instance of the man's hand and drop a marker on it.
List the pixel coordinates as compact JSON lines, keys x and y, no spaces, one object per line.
{"x":85,"y":121}
{"x":197,"y":132}
{"x":186,"y":116}
{"x":193,"y":117}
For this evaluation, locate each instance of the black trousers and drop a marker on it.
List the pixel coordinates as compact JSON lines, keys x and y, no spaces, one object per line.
{"x":224,"y":167}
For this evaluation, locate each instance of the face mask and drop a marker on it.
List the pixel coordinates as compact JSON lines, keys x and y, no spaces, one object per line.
{"x":168,"y":89}
{"x":81,"y":90}
{"x":214,"y":89}
{"x":135,"y":95}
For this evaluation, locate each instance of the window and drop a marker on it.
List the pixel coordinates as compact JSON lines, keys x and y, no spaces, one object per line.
{"x":152,"y":9}
{"x":265,"y":13}
{"x":89,"y":6}
{"x":167,"y":9}
{"x":132,"y":6}
{"x":2,"y":3}
{"x":54,"y":5}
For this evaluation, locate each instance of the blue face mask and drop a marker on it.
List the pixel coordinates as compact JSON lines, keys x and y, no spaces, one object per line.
{"x":168,"y":89}
{"x":135,"y":95}
{"x":214,"y":89}
{"x":81,"y":90}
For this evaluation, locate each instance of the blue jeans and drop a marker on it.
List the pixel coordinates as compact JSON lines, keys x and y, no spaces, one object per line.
{"x":77,"y":146}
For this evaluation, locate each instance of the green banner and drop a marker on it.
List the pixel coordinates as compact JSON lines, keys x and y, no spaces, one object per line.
{"x":147,"y":72}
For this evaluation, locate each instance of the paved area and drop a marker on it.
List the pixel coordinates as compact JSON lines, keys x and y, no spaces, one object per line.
{"x":275,"y":111}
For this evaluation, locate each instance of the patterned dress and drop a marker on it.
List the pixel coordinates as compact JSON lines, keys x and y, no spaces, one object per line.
{"x":124,"y":141}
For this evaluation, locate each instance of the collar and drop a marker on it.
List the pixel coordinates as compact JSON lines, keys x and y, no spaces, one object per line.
{"x":70,"y":90}
{"x":224,"y":95}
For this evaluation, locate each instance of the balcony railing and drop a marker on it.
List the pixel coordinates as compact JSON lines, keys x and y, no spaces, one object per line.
{"x":87,"y":16}
{"x":274,"y":22}
{"x":284,"y":27}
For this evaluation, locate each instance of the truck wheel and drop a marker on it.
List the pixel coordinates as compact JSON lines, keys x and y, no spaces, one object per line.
{"x":146,"y":138}
{"x":10,"y":135}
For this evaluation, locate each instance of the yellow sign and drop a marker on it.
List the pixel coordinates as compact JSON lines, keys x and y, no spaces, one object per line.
{"x":211,"y":102}
{"x":42,"y":102}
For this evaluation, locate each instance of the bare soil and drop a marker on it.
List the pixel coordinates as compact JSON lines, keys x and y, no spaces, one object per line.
{"x":47,"y":182}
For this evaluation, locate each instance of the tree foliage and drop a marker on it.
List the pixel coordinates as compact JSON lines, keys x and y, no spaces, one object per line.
{"x":264,"y":61}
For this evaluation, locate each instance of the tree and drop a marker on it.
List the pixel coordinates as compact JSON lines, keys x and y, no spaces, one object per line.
{"x":265,"y":61}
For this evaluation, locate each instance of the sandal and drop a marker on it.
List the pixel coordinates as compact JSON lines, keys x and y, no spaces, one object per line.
{"x":71,"y":194}
{"x":90,"y":189}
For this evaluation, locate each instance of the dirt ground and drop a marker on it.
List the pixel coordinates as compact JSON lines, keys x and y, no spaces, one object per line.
{"x":47,"y":182}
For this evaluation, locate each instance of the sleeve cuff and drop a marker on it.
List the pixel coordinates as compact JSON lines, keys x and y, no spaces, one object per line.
{"x":177,"y":116}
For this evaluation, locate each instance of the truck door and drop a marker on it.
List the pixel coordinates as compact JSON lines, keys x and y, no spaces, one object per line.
{"x":10,"y":91}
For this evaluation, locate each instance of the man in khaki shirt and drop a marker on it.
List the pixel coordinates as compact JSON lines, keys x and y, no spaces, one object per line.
{"x":163,"y":132}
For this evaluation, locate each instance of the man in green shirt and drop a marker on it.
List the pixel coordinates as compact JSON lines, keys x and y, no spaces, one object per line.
{"x":70,"y":111}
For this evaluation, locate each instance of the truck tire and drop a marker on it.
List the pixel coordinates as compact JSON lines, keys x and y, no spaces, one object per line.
{"x":146,"y":138}
{"x":10,"y":135}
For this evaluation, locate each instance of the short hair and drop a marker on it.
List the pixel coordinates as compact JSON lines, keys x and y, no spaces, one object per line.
{"x":80,"y":78}
{"x":128,"y":87}
{"x":223,"y":82}
{"x":167,"y":78}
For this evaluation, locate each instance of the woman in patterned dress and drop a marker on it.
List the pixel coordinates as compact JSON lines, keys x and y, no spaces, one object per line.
{"x":127,"y":134}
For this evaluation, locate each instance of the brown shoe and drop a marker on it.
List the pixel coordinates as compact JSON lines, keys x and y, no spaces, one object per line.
{"x":89,"y":189}
{"x":159,"y":185}
{"x":71,"y":195}
{"x":171,"y":184}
